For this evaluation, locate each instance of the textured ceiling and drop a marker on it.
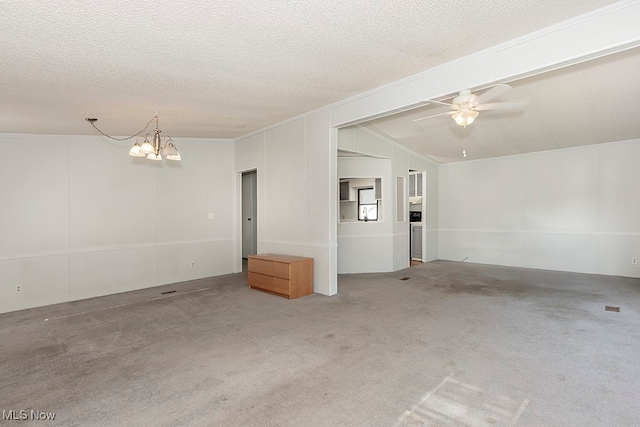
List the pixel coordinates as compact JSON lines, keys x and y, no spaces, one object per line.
{"x":224,"y":69}
{"x":589,"y":103}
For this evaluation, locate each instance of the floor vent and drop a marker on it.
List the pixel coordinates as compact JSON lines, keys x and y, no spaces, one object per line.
{"x":612,"y":308}
{"x":168,"y":292}
{"x":405,"y":278}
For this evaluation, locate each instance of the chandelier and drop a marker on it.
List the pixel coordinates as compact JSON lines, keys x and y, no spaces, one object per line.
{"x":152,"y":147}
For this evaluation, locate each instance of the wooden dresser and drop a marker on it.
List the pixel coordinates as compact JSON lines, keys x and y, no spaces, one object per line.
{"x":284,"y":275}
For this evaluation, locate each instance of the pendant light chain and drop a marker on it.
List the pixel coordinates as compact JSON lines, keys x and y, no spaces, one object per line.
{"x":155,"y":117}
{"x":464,"y":138}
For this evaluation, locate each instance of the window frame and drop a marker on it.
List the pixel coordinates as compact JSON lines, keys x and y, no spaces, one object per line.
{"x":361,"y":205}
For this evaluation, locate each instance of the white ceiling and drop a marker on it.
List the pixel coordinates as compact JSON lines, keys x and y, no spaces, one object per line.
{"x":224,"y":69}
{"x":589,"y":103}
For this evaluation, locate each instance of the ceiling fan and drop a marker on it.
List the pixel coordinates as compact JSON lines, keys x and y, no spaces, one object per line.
{"x":466,"y":106}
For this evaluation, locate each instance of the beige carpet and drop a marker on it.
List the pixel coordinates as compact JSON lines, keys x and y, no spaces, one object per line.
{"x":455,"y":344}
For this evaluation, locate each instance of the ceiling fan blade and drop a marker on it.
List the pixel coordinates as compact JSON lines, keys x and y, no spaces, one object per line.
{"x":432,"y":101}
{"x":435,"y":115}
{"x":500,"y":106}
{"x":494,"y":92}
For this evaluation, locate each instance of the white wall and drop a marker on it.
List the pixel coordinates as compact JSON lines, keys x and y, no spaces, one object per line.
{"x":574,"y":210}
{"x":367,"y":246}
{"x":295,"y":211}
{"x":80,"y":218}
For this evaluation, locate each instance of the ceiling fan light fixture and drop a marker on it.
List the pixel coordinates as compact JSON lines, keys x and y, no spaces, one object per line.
{"x":465,"y":106}
{"x":464,"y":117}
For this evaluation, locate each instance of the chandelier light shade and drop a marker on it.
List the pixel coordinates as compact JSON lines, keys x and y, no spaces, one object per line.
{"x":136,"y":150}
{"x":170,"y":151}
{"x":145,"y":148}
{"x":152,"y":150}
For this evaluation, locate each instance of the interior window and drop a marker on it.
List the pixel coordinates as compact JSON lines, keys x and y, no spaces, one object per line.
{"x":367,"y":205}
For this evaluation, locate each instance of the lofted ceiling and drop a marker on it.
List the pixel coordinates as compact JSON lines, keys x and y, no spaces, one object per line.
{"x":589,"y":103}
{"x":224,"y":69}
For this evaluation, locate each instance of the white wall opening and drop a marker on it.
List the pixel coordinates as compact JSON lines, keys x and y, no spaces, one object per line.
{"x":246,"y":216}
{"x":249,"y":213}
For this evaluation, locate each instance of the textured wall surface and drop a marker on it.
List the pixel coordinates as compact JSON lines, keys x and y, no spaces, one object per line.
{"x":81,"y":218}
{"x":574,"y":210}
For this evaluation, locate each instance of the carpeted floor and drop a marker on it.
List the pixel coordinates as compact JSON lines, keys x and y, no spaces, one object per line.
{"x":454,"y":344}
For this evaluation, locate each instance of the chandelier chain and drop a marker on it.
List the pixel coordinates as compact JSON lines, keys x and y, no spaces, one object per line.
{"x":155,"y":117}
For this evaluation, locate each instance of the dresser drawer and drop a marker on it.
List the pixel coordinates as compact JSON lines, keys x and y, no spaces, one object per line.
{"x":261,"y":281}
{"x":281,"y":286}
{"x":262,"y":266}
{"x":283,"y":270}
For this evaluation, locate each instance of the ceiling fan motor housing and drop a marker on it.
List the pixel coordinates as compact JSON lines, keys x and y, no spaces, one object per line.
{"x":466,"y":99}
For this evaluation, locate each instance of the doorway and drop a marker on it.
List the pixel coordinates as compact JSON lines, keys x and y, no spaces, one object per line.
{"x":249,"y":215}
{"x":417,"y":217}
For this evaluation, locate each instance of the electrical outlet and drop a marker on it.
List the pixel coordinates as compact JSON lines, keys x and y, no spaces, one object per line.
{"x":634,"y":260}
{"x":211,"y":215}
{"x":18,"y":289}
{"x":193,"y":264}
